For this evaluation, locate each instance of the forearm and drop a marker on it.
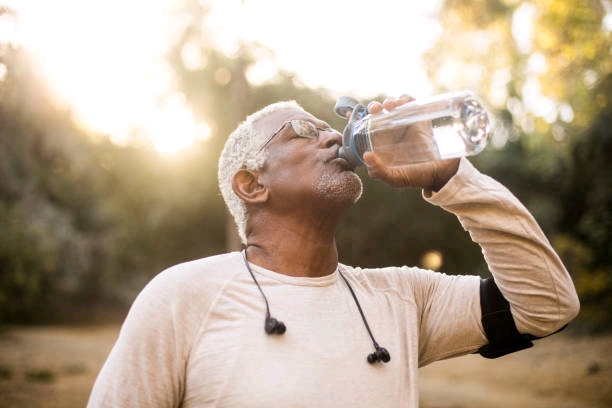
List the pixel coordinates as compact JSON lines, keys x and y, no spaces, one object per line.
{"x":524,"y":265}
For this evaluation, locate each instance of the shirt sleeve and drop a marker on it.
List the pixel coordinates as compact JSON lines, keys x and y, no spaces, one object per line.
{"x":449,"y":314}
{"x":524,"y":265}
{"x":146,"y":367}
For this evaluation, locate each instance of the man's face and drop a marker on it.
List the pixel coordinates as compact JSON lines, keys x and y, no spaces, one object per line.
{"x":298,"y":168}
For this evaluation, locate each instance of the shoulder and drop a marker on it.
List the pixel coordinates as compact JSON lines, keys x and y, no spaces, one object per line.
{"x":197,"y":277}
{"x":203,"y":269}
{"x":403,"y":278}
{"x":188,"y":286}
{"x":177,"y":298}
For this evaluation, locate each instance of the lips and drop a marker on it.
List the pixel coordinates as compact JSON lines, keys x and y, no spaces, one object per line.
{"x":339,"y":161}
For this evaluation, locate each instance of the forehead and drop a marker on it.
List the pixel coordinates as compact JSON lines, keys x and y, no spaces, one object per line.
{"x":270,"y":123}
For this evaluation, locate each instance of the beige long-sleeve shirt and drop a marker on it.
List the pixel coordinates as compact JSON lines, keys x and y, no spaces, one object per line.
{"x":194,"y":336}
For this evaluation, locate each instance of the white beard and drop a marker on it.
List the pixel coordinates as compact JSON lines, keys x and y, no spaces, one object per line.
{"x":345,"y":187}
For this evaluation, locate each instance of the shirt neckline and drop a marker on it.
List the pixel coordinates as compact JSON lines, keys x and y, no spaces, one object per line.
{"x":293,"y":280}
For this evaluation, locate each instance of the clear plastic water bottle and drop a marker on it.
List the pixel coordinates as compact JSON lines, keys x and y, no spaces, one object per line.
{"x":442,"y":127}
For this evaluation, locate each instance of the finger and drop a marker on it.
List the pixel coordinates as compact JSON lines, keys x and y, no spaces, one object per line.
{"x":375,"y":107}
{"x":389,"y":104}
{"x":371,"y":159}
{"x":376,"y":167}
{"x":393,"y":176}
{"x":404,"y":98}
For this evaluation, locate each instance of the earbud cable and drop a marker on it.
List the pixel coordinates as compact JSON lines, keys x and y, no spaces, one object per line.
{"x":246,"y":262}
{"x":365,"y":322}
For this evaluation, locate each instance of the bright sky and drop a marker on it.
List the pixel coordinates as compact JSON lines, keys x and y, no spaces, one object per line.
{"x":105,"y":58}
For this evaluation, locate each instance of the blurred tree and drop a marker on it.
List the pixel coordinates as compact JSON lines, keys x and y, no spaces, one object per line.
{"x":586,"y":228}
{"x":537,"y":60}
{"x":84,"y":221}
{"x":43,"y":245}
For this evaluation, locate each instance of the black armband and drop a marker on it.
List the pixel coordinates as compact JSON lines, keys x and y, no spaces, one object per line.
{"x":498,"y":323}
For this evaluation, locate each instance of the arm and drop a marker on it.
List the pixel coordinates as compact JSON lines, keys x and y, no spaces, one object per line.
{"x":525,"y":267}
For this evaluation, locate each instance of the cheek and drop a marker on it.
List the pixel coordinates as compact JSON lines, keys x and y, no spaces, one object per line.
{"x":286,"y":178}
{"x":293,"y":164}
{"x":298,"y":178}
{"x":294,"y":170}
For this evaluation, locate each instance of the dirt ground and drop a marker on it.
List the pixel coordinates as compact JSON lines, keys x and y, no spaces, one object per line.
{"x":55,"y":367}
{"x":51,"y":367}
{"x":558,"y":372}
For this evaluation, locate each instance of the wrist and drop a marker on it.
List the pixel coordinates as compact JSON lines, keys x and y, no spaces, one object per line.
{"x":444,"y":174}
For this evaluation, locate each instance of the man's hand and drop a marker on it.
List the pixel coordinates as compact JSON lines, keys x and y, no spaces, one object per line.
{"x":431,"y":175}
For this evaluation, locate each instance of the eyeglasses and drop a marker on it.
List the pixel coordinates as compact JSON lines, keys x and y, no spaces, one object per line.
{"x":302,"y":128}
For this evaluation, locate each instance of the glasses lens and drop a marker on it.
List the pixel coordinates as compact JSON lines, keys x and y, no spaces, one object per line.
{"x":305,"y":129}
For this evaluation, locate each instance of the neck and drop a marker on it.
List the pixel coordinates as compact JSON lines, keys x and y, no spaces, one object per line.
{"x":295,"y":246}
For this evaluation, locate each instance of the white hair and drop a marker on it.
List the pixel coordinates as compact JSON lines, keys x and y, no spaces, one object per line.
{"x":240,"y":152}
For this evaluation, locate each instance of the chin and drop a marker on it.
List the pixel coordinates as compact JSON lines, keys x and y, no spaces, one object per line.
{"x":343,"y":188}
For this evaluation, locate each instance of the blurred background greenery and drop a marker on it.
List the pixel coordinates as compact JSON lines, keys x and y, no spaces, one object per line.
{"x":87,"y":219}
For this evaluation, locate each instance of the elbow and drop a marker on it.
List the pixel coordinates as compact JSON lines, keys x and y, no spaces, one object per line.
{"x":570,"y":309}
{"x":568,"y":305}
{"x":550,"y":319}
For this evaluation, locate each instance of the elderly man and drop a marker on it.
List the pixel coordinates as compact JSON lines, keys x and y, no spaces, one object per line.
{"x":201,"y":334}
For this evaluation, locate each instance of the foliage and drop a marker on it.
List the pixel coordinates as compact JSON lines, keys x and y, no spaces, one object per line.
{"x":587,"y":224}
{"x":82,"y":220}
{"x":27,"y":264}
{"x":538,"y":61}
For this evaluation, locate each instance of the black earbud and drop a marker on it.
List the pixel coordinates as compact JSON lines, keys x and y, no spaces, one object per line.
{"x":274,"y":326}
{"x":381,"y":354}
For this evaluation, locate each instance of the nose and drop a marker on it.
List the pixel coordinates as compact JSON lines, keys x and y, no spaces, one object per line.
{"x":329,"y":138}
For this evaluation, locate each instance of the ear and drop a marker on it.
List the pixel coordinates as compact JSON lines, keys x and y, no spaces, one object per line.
{"x":247,"y":186}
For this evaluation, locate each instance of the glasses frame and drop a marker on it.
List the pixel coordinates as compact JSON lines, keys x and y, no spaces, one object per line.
{"x":291,"y":122}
